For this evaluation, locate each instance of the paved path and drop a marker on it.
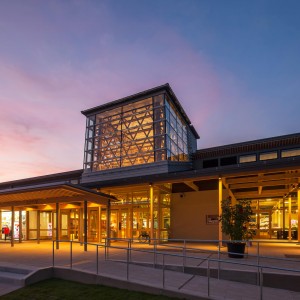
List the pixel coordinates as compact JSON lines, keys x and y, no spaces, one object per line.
{"x":32,"y":256}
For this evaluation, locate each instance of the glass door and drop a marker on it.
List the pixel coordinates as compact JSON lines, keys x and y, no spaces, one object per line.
{"x":93,"y":224}
{"x":64,"y":229}
{"x":74,"y":224}
{"x":140,"y":221}
{"x":45,"y":225}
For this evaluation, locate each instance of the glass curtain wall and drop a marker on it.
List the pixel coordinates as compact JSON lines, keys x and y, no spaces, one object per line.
{"x":141,"y":132}
{"x":177,"y":135}
{"x":129,"y":135}
{"x":131,"y":216}
{"x":273,"y":218}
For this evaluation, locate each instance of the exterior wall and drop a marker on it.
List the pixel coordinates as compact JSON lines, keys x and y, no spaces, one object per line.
{"x":188,"y":215}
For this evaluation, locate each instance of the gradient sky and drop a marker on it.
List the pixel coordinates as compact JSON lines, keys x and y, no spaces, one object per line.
{"x":234,"y":66}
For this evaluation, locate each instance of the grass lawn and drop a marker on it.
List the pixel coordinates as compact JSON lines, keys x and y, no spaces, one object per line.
{"x":54,"y":289}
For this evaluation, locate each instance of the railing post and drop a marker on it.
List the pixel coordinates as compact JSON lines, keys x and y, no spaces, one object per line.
{"x":184,"y":256}
{"x":258,"y":261}
{"x":127,"y":271}
{"x":163,"y":268}
{"x":107,"y":249}
{"x":154,"y":252}
{"x":53,"y":253}
{"x":208,"y":278}
{"x":261,"y":283}
{"x":71,"y":254}
{"x":219,"y":257}
{"x":97,"y":262}
{"x":129,"y":247}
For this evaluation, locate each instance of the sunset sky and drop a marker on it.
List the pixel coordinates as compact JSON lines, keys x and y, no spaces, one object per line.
{"x":234,"y":66}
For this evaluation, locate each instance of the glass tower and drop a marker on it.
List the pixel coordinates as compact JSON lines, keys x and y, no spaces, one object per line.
{"x":137,"y":132}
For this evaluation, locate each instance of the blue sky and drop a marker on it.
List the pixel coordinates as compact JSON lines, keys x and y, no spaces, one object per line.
{"x":234,"y":65}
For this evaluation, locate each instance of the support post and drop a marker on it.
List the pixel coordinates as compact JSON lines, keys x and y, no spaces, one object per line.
{"x":38,"y":224}
{"x":12,"y":226}
{"x":20,"y":226}
{"x":298,"y":207}
{"x":151,"y":213}
{"x":85,"y":215}
{"x":290,"y":218}
{"x":283,"y":218}
{"x":220,"y":210}
{"x":57,"y":225}
{"x":108,"y":223}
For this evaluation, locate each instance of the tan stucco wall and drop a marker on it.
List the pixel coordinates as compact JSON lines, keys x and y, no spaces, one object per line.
{"x":188,"y":215}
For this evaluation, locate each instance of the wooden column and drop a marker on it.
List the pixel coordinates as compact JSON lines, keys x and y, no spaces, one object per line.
{"x":12,"y":225}
{"x":283,"y":218}
{"x":159,"y":215}
{"x":298,"y":207}
{"x":151,"y":213}
{"x":38,"y":225}
{"x":57,"y":225}
{"x":85,"y":216}
{"x":108,"y":222}
{"x":290,"y":218}
{"x":20,"y":226}
{"x":220,"y":236}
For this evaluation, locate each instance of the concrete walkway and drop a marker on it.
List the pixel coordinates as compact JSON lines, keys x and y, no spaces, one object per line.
{"x":149,"y":272}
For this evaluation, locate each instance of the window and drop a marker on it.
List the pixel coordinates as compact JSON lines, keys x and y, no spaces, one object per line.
{"x":290,"y":153}
{"x":268,"y":155}
{"x":227,"y":161}
{"x":210,"y":163}
{"x":247,"y":158}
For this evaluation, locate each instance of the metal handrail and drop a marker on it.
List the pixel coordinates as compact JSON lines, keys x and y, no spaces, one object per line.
{"x":183,"y":254}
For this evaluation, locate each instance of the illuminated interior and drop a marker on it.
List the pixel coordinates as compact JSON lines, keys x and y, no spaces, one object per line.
{"x":146,"y":131}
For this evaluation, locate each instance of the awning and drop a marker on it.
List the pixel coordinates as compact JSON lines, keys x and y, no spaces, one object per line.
{"x":46,"y":194}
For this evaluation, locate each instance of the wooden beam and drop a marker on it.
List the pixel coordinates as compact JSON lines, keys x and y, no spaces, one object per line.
{"x":164,"y":188}
{"x":264,"y":194}
{"x":265,"y":177}
{"x":263,"y":183}
{"x":192,"y":185}
{"x":229,"y":190}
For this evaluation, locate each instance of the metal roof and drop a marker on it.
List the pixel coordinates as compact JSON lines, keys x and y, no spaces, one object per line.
{"x":51,"y":193}
{"x":139,"y":96}
{"x":251,"y":146}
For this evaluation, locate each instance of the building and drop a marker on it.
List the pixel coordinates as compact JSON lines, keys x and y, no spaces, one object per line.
{"x":142,"y":172}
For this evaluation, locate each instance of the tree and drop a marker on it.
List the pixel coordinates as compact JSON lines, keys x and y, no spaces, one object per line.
{"x":235,"y":219}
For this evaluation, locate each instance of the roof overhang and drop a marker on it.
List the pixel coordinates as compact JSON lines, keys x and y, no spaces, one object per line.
{"x":46,"y":194}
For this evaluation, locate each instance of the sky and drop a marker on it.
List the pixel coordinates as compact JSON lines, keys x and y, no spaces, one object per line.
{"x":234,"y":66}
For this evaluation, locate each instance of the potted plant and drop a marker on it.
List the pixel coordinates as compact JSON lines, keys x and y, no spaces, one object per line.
{"x":235,"y":223}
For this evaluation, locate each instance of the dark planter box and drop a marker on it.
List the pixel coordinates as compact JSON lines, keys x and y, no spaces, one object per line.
{"x":236,"y":250}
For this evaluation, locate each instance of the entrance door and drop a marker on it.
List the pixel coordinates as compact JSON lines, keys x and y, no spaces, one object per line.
{"x":93,"y":225}
{"x":46,"y":225}
{"x":119,"y":223}
{"x":64,"y":229}
{"x":140,"y":221}
{"x":74,"y":224}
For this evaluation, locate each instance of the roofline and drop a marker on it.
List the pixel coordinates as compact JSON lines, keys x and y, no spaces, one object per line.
{"x":125,"y":99}
{"x":253,"y":143}
{"x":43,"y":177}
{"x":53,"y":186}
{"x":209,"y":173}
{"x":165,"y":87}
